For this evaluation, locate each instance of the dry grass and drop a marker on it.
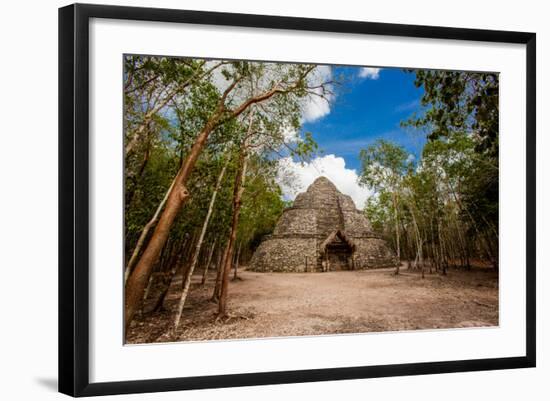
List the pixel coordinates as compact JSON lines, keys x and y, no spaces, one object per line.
{"x":293,"y":304}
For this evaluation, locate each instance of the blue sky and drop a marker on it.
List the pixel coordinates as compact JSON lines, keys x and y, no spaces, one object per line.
{"x":369,"y":105}
{"x":367,"y":109}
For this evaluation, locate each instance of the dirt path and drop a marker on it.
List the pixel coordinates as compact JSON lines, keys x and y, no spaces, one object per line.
{"x":290,"y":304}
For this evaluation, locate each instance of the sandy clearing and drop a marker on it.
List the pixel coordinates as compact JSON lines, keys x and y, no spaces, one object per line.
{"x":291,"y":304}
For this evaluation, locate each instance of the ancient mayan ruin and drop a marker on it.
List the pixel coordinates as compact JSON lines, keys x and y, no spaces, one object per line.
{"x":322,"y":231}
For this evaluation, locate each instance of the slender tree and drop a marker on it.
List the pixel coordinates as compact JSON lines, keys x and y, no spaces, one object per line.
{"x":383,"y":168}
{"x":198,"y":247}
{"x":208,"y":261}
{"x":290,"y":82}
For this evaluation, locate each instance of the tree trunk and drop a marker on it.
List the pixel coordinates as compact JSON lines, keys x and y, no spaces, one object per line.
{"x":218,"y":284}
{"x":396,"y":233}
{"x":187,"y":278}
{"x":134,"y":140}
{"x":408,"y":247}
{"x":237,"y":200}
{"x":146,"y":293}
{"x":133,"y":178}
{"x":444,"y":267}
{"x":160,"y":300}
{"x":435,"y":254}
{"x":494,"y":260}
{"x":178,"y":195}
{"x":164,"y":258}
{"x":208,"y":261}
{"x":237,"y":262}
{"x":179,"y":264}
{"x":144,"y":233}
{"x":149,"y":285}
{"x":419,"y":241}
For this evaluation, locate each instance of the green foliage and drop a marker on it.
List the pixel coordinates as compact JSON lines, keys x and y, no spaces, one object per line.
{"x":446,"y":203}
{"x":262,"y":202}
{"x":378,"y":211}
{"x":306,"y":147}
{"x":169,"y":101}
{"x":460,"y":101}
{"x":383,"y":166}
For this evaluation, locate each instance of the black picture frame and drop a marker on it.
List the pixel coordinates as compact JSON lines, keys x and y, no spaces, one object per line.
{"x":74,"y":199}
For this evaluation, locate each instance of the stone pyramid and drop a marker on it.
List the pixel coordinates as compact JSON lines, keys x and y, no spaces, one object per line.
{"x":322,"y":231}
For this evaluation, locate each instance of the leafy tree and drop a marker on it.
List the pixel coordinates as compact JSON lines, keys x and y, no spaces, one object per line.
{"x":459,"y":101}
{"x":384,"y":166}
{"x":205,"y":102}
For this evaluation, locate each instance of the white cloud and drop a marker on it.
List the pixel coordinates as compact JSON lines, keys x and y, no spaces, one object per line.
{"x":295,"y":178}
{"x":290,"y":135}
{"x":314,"y":106}
{"x":369,"y":73}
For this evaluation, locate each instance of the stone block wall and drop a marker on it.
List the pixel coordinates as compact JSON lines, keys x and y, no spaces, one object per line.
{"x":314,"y":216}
{"x":373,"y":253}
{"x":297,"y":221}
{"x":346,"y":202}
{"x":285,"y":255}
{"x":356,"y":225}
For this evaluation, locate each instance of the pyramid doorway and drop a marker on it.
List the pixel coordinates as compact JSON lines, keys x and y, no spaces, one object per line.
{"x":338,"y":252}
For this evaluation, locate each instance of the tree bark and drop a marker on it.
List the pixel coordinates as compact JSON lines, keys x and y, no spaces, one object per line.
{"x":237,"y":262}
{"x":237,"y":201}
{"x":132,"y":143}
{"x":218,"y":284}
{"x":144,"y":233}
{"x":419,"y":240}
{"x":396,"y":233}
{"x":444,"y":266}
{"x":176,"y":198}
{"x":208,"y":261}
{"x":179,"y":264}
{"x":133,"y":178}
{"x":187,"y":278}
{"x":137,"y":281}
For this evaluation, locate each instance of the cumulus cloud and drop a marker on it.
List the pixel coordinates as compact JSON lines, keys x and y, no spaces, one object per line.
{"x":313,"y":107}
{"x":291,"y":135}
{"x":295,"y":178}
{"x":369,"y":73}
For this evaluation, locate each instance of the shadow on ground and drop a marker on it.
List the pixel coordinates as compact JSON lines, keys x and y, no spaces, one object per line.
{"x":49,"y":383}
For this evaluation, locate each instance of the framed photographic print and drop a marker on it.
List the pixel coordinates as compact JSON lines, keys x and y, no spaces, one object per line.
{"x":250,"y":199}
